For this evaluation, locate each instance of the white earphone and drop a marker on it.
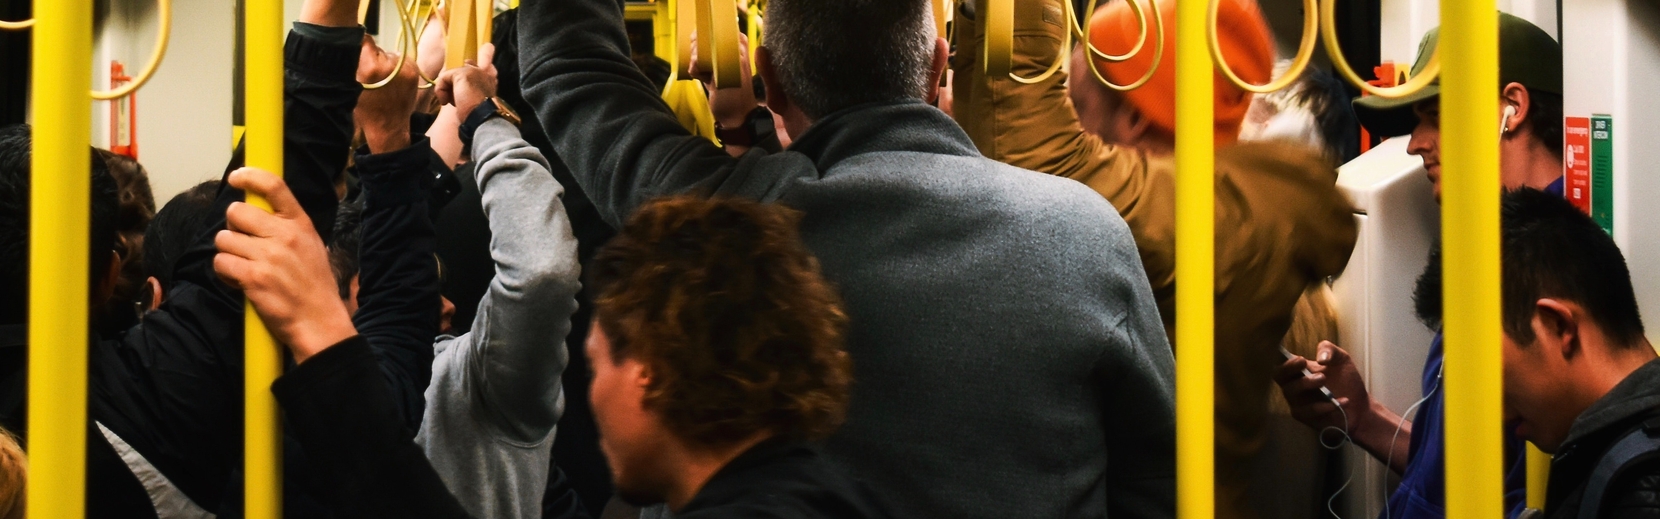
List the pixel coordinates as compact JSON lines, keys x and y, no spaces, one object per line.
{"x":1504,"y":122}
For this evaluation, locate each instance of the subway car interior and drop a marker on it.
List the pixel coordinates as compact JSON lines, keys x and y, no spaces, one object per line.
{"x":829,"y":258}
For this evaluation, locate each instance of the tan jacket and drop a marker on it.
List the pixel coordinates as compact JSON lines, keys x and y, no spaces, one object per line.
{"x":1281,"y":223}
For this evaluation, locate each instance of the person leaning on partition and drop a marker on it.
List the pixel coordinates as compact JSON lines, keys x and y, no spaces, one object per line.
{"x":1281,"y":224}
{"x":1010,"y":355}
{"x":1530,"y":72}
{"x":1580,"y":379}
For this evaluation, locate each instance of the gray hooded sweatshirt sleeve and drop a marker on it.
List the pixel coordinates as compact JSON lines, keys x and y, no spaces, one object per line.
{"x":495,"y":395}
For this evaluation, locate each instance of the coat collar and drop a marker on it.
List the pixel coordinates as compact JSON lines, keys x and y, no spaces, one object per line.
{"x":905,"y":125}
{"x":1637,"y":395}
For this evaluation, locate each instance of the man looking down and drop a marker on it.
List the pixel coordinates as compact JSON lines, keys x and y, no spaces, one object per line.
{"x":1008,"y":343}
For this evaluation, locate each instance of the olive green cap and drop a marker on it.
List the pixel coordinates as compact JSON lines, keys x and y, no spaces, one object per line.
{"x":1527,"y":55}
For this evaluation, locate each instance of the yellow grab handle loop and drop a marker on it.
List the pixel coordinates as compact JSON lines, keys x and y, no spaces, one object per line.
{"x":1060,"y":56}
{"x":17,"y":25}
{"x":416,"y":13}
{"x":149,"y":71}
{"x":1081,"y":30}
{"x":1158,"y":49}
{"x":1305,"y":51}
{"x":404,"y":41}
{"x":1328,"y":17}
{"x":717,"y":25}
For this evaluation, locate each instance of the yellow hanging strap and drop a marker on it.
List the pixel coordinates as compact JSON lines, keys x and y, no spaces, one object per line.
{"x":1082,"y":30}
{"x":1334,"y":50}
{"x":717,"y":27}
{"x":404,"y":40}
{"x":1470,"y":248}
{"x":462,"y":39}
{"x":690,"y":105}
{"x":59,"y":220}
{"x":263,"y":102}
{"x":1195,"y":268}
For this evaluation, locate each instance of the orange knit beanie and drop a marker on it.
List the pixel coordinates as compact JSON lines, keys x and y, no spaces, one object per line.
{"x":1241,"y":31}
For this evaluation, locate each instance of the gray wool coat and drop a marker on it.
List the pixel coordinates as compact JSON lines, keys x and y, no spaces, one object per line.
{"x":1009,"y":360}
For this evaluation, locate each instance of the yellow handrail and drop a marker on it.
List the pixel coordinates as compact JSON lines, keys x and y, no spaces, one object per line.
{"x":156,"y":54}
{"x":263,"y":102}
{"x":59,"y":195}
{"x":1305,"y":51}
{"x":1328,"y":17}
{"x":1470,"y":248}
{"x":1195,"y":267}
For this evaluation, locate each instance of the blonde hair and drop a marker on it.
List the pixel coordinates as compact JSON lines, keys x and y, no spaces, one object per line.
{"x":1313,"y":320}
{"x":14,"y":474}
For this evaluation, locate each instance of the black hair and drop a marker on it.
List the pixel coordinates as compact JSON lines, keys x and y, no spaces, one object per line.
{"x":348,"y":239}
{"x":1328,"y":98}
{"x":1544,"y":119}
{"x":177,"y":226}
{"x":15,"y":156}
{"x":1551,"y":250}
{"x":836,"y":54}
{"x":1554,"y":250}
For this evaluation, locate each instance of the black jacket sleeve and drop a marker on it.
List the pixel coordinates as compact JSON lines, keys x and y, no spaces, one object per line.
{"x":604,"y":118}
{"x":344,"y":418}
{"x":398,"y":284}
{"x":172,"y":387}
{"x":1634,"y":495}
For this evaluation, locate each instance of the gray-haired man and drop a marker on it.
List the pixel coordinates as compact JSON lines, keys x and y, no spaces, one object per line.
{"x":1005,"y":341}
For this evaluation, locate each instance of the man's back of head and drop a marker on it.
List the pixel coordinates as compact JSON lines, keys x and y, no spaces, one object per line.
{"x":176,"y":226}
{"x":835,"y":54}
{"x":15,"y":156}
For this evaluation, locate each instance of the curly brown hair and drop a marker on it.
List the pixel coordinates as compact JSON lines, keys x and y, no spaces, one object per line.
{"x":727,"y":309}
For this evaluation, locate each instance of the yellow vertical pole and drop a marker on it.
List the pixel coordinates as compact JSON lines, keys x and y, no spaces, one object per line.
{"x":1470,"y":242}
{"x":1538,"y":476}
{"x":59,"y":222}
{"x":1195,"y":266}
{"x":262,"y":458}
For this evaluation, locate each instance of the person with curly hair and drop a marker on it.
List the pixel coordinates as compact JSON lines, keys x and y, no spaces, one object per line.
{"x":717,"y":352}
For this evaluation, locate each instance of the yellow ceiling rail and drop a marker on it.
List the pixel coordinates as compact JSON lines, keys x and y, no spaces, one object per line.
{"x":1328,"y":17}
{"x":19,"y":25}
{"x":1470,"y":250}
{"x":59,"y":195}
{"x":405,"y":38}
{"x":1195,"y":267}
{"x":263,"y":102}
{"x":156,"y":54}
{"x":1083,"y":30}
{"x":1305,"y":51}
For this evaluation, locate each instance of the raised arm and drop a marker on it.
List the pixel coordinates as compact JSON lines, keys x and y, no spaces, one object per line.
{"x":1034,"y":126}
{"x":516,"y":348}
{"x":605,"y":120}
{"x":523,"y":319}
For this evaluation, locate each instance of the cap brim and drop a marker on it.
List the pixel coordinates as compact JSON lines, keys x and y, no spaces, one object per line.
{"x":1390,"y":117}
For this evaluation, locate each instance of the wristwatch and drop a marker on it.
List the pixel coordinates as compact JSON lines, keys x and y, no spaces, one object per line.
{"x":491,"y":107}
{"x":758,"y":122}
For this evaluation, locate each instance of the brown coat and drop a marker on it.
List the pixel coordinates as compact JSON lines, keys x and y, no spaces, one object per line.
{"x":1281,"y":223}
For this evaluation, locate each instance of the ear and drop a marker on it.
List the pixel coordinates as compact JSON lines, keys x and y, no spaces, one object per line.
{"x":106,"y":286}
{"x":776,"y":100}
{"x":942,"y":60}
{"x":1515,"y":95}
{"x":1557,"y":323}
{"x":155,"y":296}
{"x":1135,"y":126}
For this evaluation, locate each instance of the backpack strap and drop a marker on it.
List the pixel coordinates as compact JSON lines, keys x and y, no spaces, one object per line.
{"x":1643,"y":442}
